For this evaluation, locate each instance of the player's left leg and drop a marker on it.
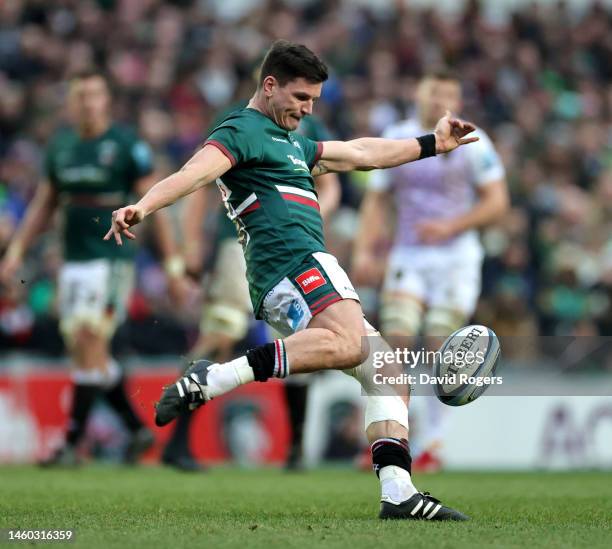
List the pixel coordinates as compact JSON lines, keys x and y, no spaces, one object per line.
{"x":386,"y":423}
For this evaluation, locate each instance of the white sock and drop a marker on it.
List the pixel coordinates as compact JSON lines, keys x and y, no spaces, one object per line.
{"x":113,"y":373}
{"x":89,"y":377}
{"x":222,"y":378}
{"x":396,"y":484}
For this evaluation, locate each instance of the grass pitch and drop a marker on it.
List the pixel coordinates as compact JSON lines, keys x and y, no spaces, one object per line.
{"x":155,"y":507}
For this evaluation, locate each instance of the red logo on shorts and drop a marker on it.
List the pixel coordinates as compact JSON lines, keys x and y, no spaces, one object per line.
{"x":311,"y":280}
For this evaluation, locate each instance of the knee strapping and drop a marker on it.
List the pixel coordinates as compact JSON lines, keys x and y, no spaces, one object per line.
{"x":401,"y":315}
{"x":225,"y":319}
{"x":381,"y":405}
{"x":443,"y":322}
{"x":386,"y":408}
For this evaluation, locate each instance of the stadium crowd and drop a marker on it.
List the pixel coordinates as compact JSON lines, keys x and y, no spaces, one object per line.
{"x":540,"y":83}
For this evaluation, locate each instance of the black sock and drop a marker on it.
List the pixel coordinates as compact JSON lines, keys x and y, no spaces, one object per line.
{"x":269,"y":360}
{"x":297,"y":394}
{"x":83,"y":400}
{"x":178,"y":445}
{"x":391,"y":451}
{"x":117,"y":398}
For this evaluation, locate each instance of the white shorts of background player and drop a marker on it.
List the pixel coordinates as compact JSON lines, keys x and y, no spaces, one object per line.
{"x":446,"y":279}
{"x":95,"y":294}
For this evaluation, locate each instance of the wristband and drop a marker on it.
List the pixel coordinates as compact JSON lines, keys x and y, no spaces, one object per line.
{"x":428,"y":145}
{"x":174,"y":266}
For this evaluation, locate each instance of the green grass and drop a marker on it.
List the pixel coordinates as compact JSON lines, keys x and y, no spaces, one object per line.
{"x":154,"y":507}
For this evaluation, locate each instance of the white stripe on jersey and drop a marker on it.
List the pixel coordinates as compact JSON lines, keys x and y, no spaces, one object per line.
{"x":245,"y":204}
{"x":296,"y":190}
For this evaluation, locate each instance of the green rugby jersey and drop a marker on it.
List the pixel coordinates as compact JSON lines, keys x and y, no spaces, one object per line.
{"x":93,"y":177}
{"x":270,"y":195}
{"x":310,"y":126}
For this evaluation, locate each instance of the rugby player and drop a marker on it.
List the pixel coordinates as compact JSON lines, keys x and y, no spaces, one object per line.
{"x":265,"y":171}
{"x":227,"y":307}
{"x":433,"y":273}
{"x":91,"y":168}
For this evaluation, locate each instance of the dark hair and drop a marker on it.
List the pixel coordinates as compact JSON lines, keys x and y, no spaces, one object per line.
{"x":93,"y":72}
{"x":287,"y":61}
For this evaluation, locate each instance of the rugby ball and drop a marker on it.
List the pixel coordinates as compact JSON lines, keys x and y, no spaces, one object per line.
{"x":465,"y":365}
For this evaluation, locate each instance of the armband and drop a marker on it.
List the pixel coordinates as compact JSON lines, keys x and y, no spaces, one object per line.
{"x":428,"y":145}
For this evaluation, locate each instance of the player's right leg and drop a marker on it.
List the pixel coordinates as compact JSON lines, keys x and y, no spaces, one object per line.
{"x":307,"y":291}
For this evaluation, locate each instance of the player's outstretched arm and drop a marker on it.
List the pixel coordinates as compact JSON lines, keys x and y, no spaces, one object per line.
{"x":203,"y":168}
{"x":369,"y":153}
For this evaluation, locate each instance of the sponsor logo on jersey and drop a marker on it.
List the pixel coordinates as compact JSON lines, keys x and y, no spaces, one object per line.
{"x":296,"y":144}
{"x":280,"y":140}
{"x":83,"y":174}
{"x":310,"y":280}
{"x":298,"y":162}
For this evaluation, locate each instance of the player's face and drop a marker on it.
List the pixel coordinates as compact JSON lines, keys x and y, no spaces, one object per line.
{"x":435,"y":97}
{"x":89,"y":100}
{"x":293,"y":101}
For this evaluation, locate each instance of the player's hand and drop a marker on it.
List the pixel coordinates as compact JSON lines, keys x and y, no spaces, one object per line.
{"x":451,"y":133}
{"x":433,"y":231}
{"x":123,"y":219}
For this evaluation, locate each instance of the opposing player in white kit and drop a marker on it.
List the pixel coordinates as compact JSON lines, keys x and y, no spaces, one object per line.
{"x":433,"y":275}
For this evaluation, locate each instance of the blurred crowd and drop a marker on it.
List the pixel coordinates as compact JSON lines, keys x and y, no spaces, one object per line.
{"x":539,"y":82}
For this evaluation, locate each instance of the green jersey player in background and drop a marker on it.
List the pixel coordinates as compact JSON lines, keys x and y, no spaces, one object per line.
{"x":91,"y":168}
{"x":266,"y":172}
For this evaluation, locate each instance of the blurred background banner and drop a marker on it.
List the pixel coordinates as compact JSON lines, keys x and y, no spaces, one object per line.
{"x":536,"y":76}
{"x":250,"y":426}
